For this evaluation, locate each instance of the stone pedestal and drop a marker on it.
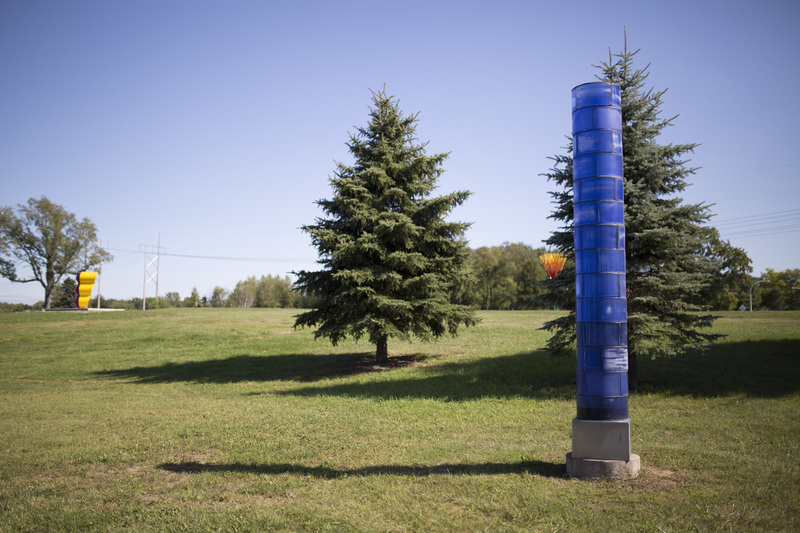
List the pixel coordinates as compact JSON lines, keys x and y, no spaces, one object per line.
{"x":601,"y":449}
{"x":602,"y":468}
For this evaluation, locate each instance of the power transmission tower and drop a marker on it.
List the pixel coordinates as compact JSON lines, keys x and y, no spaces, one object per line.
{"x":150,"y":274}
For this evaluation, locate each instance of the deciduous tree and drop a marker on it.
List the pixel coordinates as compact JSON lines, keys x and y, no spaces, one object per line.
{"x":730,"y":280}
{"x":219,"y":297}
{"x":244,"y":294}
{"x":780,"y":290}
{"x":193,"y":300}
{"x":505,"y":277}
{"x":46,"y":242}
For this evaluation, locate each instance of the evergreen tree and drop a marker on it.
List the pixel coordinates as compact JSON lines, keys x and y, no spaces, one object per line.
{"x":667,"y":252}
{"x":64,"y":295}
{"x":389,"y":257}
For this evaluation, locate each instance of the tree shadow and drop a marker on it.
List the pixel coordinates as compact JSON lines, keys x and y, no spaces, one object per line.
{"x":289,"y":367}
{"x":539,"y":468}
{"x":764,"y":369}
{"x":522,"y":375}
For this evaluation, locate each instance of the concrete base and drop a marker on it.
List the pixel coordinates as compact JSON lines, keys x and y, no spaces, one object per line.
{"x":601,"y":439}
{"x":602,"y":468}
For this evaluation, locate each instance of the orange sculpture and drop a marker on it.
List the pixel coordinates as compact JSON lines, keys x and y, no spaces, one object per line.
{"x":553,"y":263}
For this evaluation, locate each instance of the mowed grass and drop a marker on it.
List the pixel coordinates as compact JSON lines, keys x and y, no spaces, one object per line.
{"x":229,"y":420}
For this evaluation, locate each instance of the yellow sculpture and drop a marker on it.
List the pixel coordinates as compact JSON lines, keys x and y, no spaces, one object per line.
{"x":84,"y":288}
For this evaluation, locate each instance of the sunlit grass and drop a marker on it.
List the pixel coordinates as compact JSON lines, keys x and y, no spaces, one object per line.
{"x":229,"y":419}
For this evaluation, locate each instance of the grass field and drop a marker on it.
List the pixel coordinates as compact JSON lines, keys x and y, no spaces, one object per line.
{"x":203,"y":419}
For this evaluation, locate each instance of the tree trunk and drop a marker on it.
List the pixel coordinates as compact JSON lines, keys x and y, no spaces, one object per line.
{"x":48,"y":295}
{"x":633,"y":371}
{"x":382,"y":351}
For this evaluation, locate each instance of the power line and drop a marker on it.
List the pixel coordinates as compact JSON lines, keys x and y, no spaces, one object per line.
{"x":760,"y":222}
{"x":223,"y":258}
{"x":748,"y":171}
{"x":787,"y":212}
{"x":765,"y":232}
{"x":761,"y":225}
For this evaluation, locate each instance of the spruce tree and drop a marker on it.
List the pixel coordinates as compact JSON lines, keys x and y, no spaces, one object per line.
{"x":668,"y":263}
{"x":390,"y":258}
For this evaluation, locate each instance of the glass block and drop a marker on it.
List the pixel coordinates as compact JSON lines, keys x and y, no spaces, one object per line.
{"x":602,"y":407}
{"x":590,"y":94}
{"x":583,"y":166}
{"x":615,"y":358}
{"x":616,"y":142}
{"x":590,"y":358}
{"x":607,"y":118}
{"x":603,"y":188}
{"x":593,"y":141}
{"x":587,"y":310}
{"x":614,"y":403}
{"x":586,"y":213}
{"x":597,"y":236}
{"x":616,"y":96}
{"x":620,"y":237}
{"x":601,"y":384}
{"x":611,"y":260}
{"x":609,"y":164}
{"x":613,"y":309}
{"x":611,"y":212}
{"x":599,"y":333}
{"x":583,"y":119}
{"x":599,"y":285}
{"x":587,"y":261}
{"x":589,"y":402}
{"x":620,"y":191}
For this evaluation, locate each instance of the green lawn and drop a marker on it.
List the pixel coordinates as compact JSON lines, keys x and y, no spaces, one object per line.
{"x":227,"y":419}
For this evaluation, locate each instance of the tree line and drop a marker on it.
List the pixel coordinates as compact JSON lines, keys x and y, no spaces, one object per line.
{"x":266,"y":291}
{"x":504,"y":277}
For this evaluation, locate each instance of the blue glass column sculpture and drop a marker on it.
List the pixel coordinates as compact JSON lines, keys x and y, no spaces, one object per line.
{"x":601,"y":430}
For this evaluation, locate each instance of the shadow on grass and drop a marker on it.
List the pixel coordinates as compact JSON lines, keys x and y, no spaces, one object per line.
{"x":763,"y":369}
{"x":533,"y":374}
{"x":293,"y":367}
{"x":766,"y":369}
{"x":539,"y":468}
{"x":522,"y":375}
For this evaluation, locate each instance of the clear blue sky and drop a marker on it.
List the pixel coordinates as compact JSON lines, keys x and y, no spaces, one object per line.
{"x":216,"y":123}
